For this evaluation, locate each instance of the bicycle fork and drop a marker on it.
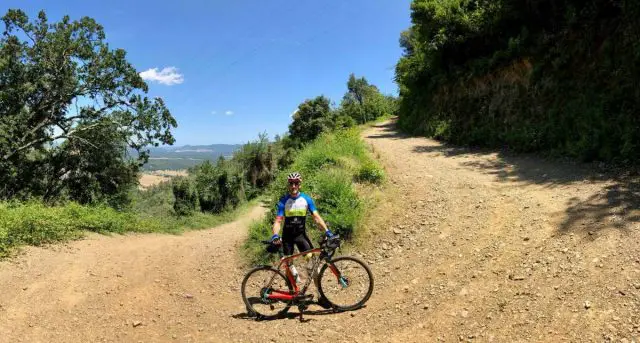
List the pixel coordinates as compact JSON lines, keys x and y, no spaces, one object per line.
{"x":342,"y":280}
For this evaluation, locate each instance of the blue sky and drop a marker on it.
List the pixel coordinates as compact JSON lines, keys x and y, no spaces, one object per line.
{"x":236,"y":68}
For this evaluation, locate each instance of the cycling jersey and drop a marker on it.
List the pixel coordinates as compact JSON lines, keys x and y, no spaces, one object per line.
{"x":294,"y":210}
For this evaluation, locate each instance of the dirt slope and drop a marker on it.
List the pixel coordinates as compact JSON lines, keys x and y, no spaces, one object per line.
{"x":474,"y":246}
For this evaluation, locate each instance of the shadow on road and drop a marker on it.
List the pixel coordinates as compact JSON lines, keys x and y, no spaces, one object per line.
{"x":389,"y":129}
{"x":288,"y":315}
{"x":616,"y":204}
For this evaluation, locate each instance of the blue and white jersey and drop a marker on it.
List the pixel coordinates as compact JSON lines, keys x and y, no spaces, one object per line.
{"x":294,"y":210}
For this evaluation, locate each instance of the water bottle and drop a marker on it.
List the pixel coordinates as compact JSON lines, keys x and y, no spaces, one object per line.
{"x":294,"y":271}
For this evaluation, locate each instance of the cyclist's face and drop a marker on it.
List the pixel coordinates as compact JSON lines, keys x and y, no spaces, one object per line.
{"x":294,"y":187}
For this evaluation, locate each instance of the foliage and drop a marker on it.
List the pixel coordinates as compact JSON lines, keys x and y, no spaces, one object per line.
{"x":186,"y":196}
{"x":259,"y":161}
{"x":64,"y":95}
{"x":229,"y":183}
{"x":363,"y":102}
{"x":311,"y":119}
{"x":218,"y":187}
{"x":34,"y":223}
{"x":555,"y":76}
{"x":371,"y":173}
{"x":95,"y":173}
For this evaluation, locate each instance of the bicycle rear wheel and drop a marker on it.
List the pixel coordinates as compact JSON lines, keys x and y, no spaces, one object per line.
{"x":347,"y":286}
{"x":258,"y":284}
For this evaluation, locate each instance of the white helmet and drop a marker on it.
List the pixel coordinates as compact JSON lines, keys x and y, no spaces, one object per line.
{"x":294,"y":177}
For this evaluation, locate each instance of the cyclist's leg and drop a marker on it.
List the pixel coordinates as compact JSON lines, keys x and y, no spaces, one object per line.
{"x":303,"y":242}
{"x":288,"y":241}
{"x":288,"y":246}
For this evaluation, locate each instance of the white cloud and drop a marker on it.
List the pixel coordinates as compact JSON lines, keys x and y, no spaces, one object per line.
{"x":167,"y":76}
{"x":229,"y":113}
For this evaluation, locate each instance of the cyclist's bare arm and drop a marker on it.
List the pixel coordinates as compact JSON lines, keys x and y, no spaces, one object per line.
{"x":276,"y":225}
{"x":322,"y":225}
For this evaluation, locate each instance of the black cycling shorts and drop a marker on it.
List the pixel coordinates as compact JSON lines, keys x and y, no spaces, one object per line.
{"x":300,"y":240}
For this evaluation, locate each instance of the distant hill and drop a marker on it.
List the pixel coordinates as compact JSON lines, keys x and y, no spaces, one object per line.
{"x":183,"y":157}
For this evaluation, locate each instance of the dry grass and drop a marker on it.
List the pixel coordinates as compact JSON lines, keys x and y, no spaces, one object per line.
{"x":148,"y":179}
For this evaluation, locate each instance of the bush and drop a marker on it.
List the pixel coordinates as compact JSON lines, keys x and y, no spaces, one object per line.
{"x":35,"y":223}
{"x":186,"y":196}
{"x":370,"y":173}
{"x":551,"y":76}
{"x":338,"y":201}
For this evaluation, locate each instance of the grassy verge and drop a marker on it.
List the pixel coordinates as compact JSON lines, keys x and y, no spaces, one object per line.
{"x":379,"y":120}
{"x":334,"y":167}
{"x":34,"y":223}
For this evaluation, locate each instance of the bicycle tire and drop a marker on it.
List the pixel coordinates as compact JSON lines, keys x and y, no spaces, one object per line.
{"x":359,"y":303}
{"x":248,"y":304}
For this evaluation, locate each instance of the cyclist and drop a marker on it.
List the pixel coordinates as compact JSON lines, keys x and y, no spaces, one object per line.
{"x":292,"y":208}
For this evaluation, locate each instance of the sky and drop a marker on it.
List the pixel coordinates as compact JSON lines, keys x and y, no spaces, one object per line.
{"x":231,"y":69}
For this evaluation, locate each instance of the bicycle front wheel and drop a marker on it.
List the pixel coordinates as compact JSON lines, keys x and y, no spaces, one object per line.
{"x":346,"y":282}
{"x":258,"y":284}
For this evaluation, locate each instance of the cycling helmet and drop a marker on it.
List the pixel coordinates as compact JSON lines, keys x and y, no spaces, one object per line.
{"x":294,"y":177}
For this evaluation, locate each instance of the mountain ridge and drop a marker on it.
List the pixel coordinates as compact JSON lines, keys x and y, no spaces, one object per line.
{"x":185,"y":156}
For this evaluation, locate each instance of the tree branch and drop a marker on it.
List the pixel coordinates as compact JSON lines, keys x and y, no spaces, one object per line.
{"x":69,"y":135}
{"x":83,"y":140}
{"x":27,"y":34}
{"x":26,"y":146}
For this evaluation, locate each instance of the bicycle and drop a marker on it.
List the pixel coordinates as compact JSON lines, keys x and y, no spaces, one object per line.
{"x":281,"y":289}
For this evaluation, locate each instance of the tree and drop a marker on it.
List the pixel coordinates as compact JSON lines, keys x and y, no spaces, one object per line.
{"x":186,"y":196}
{"x":312,"y":117}
{"x":258,"y":161}
{"x":358,"y":90}
{"x":92,"y":173}
{"x":63,"y":94}
{"x":363,"y":102}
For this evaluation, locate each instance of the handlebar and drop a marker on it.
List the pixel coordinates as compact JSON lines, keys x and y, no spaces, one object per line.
{"x":332,"y":243}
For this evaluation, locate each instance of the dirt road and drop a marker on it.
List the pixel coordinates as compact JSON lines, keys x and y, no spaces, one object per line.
{"x":471,"y":246}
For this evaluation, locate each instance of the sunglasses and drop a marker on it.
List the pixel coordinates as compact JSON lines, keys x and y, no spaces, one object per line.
{"x":296,"y":183}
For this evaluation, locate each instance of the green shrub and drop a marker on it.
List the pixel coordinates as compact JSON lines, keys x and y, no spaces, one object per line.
{"x":186,"y":196}
{"x":551,"y":76}
{"x":338,"y":201}
{"x":35,"y":223}
{"x":370,"y":173}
